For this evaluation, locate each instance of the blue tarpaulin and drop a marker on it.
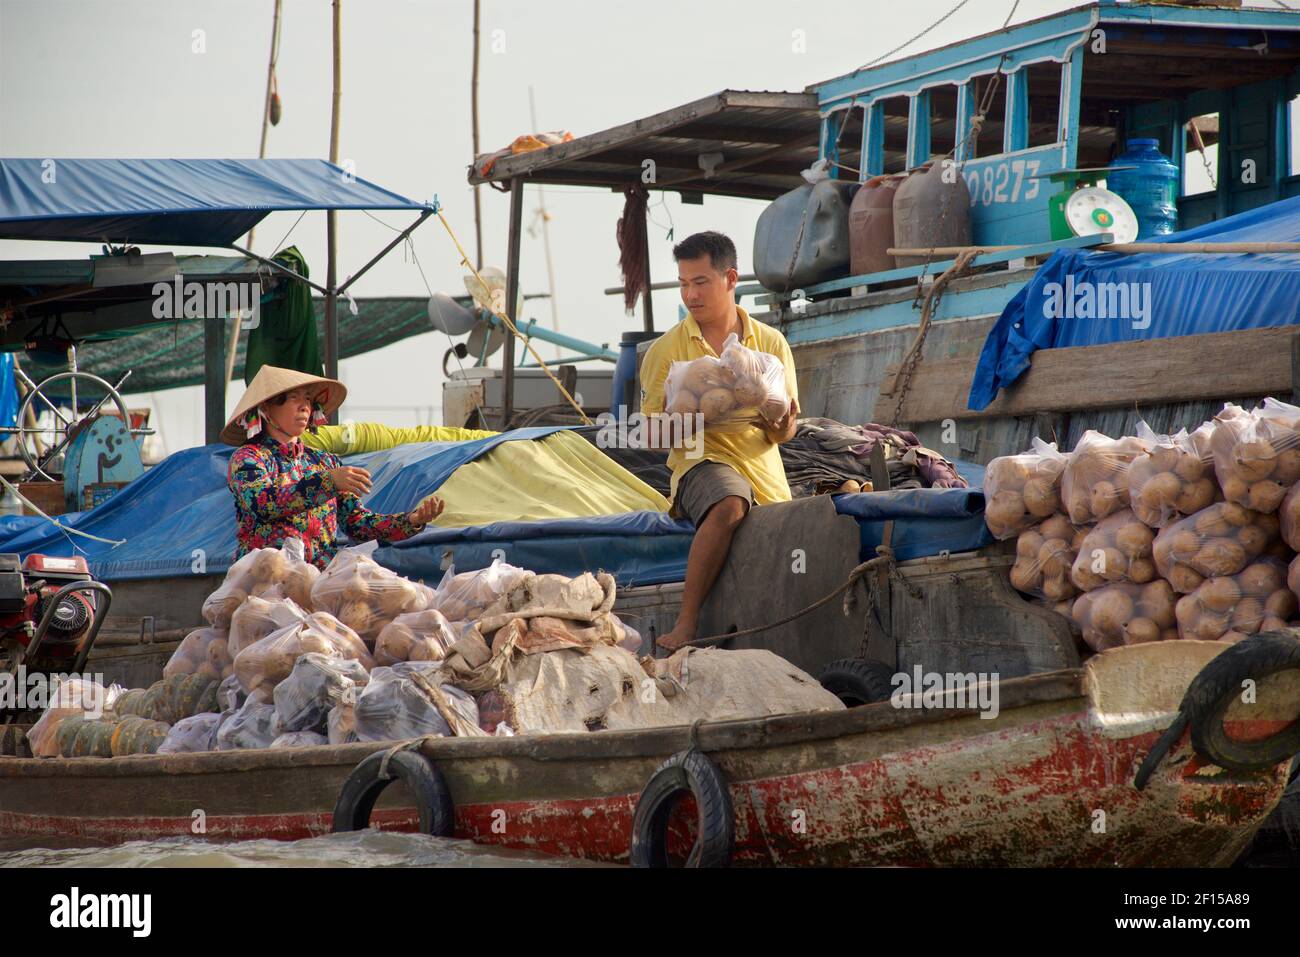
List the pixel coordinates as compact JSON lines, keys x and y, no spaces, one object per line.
{"x":638,"y":548}
{"x":649,"y":548}
{"x":1080,"y":298}
{"x":191,"y":202}
{"x":179,"y":519}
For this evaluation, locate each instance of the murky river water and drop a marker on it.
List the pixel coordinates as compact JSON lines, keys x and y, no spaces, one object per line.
{"x":356,"y":849}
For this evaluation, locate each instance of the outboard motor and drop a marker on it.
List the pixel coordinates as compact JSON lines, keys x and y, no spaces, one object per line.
{"x":51,"y":610}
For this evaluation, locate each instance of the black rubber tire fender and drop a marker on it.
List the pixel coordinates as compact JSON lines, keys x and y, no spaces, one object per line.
{"x":364,"y":785}
{"x":685,"y":772}
{"x":1219,"y":684}
{"x":858,"y":681}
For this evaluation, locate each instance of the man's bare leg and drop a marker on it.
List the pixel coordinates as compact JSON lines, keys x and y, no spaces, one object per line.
{"x":707,"y":556}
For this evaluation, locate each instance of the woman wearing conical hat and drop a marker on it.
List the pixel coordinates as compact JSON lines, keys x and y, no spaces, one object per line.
{"x":285,"y":490}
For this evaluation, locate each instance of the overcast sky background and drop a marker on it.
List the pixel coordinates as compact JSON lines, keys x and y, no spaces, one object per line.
{"x":91,"y":78}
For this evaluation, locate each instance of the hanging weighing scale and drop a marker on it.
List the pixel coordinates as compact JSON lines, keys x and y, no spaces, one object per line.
{"x":1082,"y":208}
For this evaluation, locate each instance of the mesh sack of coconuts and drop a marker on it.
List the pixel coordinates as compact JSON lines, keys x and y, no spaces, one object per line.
{"x":730,"y":392}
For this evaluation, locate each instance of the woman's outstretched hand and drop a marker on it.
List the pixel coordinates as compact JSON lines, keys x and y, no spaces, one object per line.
{"x":349,"y":478}
{"x":428,"y":509}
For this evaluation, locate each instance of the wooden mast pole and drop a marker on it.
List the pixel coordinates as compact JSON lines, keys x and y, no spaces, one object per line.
{"x":331,"y":235}
{"x":233,"y":347}
{"x":473,"y":112}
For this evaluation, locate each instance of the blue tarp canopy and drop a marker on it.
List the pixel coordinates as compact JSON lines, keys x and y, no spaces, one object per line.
{"x":178,"y":519}
{"x":1075,"y":296}
{"x":196,"y":202}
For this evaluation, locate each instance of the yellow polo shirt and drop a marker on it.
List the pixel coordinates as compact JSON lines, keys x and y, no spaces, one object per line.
{"x":749,"y":452}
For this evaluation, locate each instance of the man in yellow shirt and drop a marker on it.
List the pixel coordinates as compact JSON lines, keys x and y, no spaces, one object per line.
{"x":714,"y":486}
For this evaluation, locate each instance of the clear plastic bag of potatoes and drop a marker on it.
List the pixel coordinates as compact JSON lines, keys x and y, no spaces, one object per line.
{"x":259,"y":572}
{"x":1174,"y":477}
{"x":264,"y":664}
{"x":729,"y":391}
{"x":365,"y":596}
{"x":258,"y":617}
{"x":1125,"y":614}
{"x":1233,"y":607}
{"x":1020,"y":491}
{"x":1257,"y":453}
{"x":464,"y":596}
{"x":1289,"y":518}
{"x":1094,"y":483}
{"x":417,"y":636}
{"x":1214,"y":542}
{"x":1044,"y":555}
{"x":1117,"y":549}
{"x":314,"y":686}
{"x":203,"y":651}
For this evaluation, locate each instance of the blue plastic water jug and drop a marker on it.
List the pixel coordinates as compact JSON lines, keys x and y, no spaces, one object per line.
{"x":1151,"y":188}
{"x":625,"y":372}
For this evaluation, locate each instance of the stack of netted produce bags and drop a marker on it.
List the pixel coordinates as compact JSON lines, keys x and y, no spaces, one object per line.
{"x":292,"y":657}
{"x":1158,"y":537}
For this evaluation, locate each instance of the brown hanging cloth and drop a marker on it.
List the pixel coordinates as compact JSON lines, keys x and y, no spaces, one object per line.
{"x":631,"y":236}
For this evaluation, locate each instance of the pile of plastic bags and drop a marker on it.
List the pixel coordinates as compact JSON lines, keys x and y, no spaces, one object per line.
{"x":293,"y":657}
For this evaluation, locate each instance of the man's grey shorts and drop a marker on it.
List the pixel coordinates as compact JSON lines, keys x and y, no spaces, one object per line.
{"x":704,"y":486}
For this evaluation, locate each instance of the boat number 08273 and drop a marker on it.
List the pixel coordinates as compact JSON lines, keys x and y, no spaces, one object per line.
{"x":1003,"y":182}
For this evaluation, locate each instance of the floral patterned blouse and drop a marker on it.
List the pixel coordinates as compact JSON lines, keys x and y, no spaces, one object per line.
{"x":283,"y":490}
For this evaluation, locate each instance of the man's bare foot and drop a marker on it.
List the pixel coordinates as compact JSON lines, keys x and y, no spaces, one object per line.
{"x":676,"y":638}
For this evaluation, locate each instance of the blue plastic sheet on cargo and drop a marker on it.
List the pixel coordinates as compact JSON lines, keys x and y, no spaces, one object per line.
{"x":649,"y":548}
{"x":638,"y":548}
{"x":1177,"y":294}
{"x":179,"y":517}
{"x":927,"y":521}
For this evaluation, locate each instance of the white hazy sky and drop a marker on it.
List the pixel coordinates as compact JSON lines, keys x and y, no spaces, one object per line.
{"x":89,"y":78}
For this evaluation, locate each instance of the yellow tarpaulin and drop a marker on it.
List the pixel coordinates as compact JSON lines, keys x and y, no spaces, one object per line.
{"x":559,"y":476}
{"x":359,"y":437}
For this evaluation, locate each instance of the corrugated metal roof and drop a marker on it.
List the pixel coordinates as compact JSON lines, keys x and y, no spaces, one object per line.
{"x":765,"y":139}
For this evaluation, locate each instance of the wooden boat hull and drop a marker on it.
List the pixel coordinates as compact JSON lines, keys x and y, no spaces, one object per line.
{"x":1048,"y":782}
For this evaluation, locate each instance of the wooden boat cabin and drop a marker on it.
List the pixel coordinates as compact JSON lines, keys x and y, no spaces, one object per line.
{"x":1216,"y":87}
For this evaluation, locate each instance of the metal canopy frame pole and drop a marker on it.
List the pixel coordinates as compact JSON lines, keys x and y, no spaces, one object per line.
{"x":647,"y":300}
{"x":512,"y":297}
{"x":214,"y":378}
{"x":331,"y":302}
{"x":401,"y":237}
{"x":272,"y":264}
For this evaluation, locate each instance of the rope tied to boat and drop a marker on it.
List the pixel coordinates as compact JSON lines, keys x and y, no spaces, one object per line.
{"x":693,"y":737}
{"x":413,"y":744}
{"x":930,"y":303}
{"x":884,"y":557}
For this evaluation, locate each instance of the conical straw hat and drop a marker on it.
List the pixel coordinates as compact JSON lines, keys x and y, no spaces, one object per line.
{"x":271,"y":381}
